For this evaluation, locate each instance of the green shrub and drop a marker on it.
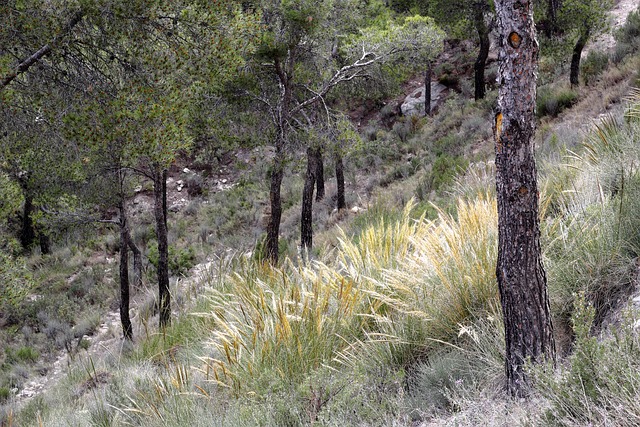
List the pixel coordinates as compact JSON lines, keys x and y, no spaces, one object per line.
{"x":180,"y":259}
{"x":600,"y":383}
{"x":27,"y":354}
{"x":5,"y":393}
{"x":593,"y":65}
{"x":628,"y":36}
{"x":552,"y":102}
{"x":442,"y":174}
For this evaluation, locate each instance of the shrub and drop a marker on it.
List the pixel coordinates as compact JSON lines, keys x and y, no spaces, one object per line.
{"x":180,"y":259}
{"x":593,"y":65}
{"x":628,"y":36}
{"x":600,"y":384}
{"x":5,"y":393}
{"x":552,"y":102}
{"x":27,"y":354}
{"x":443,"y":172}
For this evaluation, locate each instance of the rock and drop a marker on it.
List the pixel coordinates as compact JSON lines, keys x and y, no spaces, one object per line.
{"x":186,"y":170}
{"x":137,"y":189}
{"x":414,"y":103}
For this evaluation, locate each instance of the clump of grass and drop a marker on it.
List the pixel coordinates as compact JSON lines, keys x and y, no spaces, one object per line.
{"x":280,"y":323}
{"x":426,"y":278}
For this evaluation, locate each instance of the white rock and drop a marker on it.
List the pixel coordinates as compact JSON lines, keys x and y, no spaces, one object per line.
{"x":186,"y":170}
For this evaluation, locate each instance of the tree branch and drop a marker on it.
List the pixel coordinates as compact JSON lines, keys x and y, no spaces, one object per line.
{"x":40,"y":53}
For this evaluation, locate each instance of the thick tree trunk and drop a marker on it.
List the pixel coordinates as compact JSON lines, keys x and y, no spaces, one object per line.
{"x":319,"y":174}
{"x":574,"y":76}
{"x":483,"y":38}
{"x":341,"y":203}
{"x":28,"y":232}
{"x":427,"y":89}
{"x":273,"y":228}
{"x":520,"y":274}
{"x":137,"y":261}
{"x":164,"y":297}
{"x":306,"y":220}
{"x":125,"y":320}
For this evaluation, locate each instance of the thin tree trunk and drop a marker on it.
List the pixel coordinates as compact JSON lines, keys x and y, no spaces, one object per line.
{"x":483,"y":37}
{"x":28,"y":233}
{"x":45,"y":243}
{"x":164,"y":197}
{"x":427,"y":89}
{"x":273,"y":228}
{"x":520,"y":274}
{"x":552,"y":20}
{"x":341,"y":203}
{"x":137,"y":262}
{"x":574,"y":76}
{"x":306,"y":221}
{"x":125,"y":320}
{"x":319,"y":174}
{"x":164,"y":297}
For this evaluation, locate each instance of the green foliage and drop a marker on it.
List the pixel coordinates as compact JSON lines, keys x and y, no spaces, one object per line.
{"x":16,"y":281}
{"x":593,"y":65}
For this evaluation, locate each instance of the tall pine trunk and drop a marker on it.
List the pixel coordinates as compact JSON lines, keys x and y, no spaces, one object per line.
{"x":341,"y":203}
{"x":520,"y":274}
{"x":125,"y":320}
{"x":320,"y":192}
{"x":159,"y":211}
{"x":427,"y":89}
{"x":306,"y":217}
{"x":483,"y":37}
{"x":27,"y":233}
{"x":275,"y":201}
{"x":574,"y":75}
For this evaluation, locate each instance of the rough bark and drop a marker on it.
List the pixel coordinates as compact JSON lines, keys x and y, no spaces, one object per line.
{"x":164,"y":297}
{"x":125,"y":320}
{"x":427,"y":89}
{"x":341,"y":203}
{"x":306,"y":217}
{"x":273,"y":228}
{"x":43,"y":51}
{"x":520,"y":274}
{"x":320,"y":192}
{"x":483,"y":37}
{"x":574,"y":75}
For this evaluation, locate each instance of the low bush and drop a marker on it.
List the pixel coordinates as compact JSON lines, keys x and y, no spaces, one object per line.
{"x":600,"y":384}
{"x":593,"y":65}
{"x":551,"y":102}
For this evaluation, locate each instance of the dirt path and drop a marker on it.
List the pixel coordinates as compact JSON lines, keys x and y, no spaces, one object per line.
{"x":107,"y":339}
